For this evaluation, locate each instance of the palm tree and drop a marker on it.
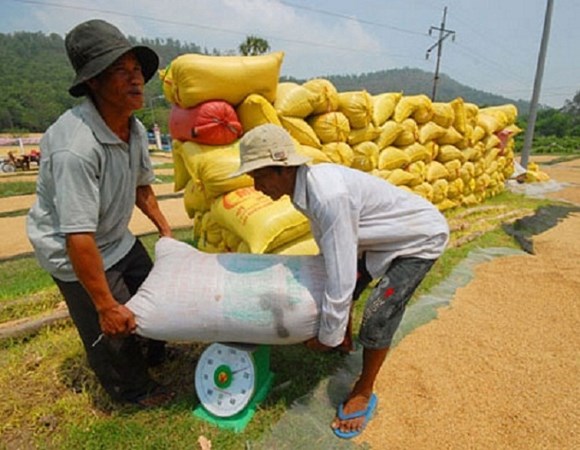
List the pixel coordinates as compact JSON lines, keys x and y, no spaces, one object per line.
{"x":254,"y":45}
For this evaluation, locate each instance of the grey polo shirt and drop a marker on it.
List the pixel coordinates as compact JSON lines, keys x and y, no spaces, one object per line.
{"x":87,"y":183}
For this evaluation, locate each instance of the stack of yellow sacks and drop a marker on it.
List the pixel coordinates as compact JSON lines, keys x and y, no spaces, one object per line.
{"x":533,"y":174}
{"x":451,"y":153}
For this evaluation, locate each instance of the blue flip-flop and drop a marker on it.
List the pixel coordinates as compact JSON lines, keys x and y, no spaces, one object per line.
{"x":366,"y":413}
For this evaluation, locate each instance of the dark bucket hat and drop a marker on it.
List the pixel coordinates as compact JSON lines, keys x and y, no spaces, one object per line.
{"x":94,"y":45}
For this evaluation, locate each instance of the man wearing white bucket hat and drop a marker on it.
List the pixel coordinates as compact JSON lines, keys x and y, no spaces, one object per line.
{"x":366,"y":229}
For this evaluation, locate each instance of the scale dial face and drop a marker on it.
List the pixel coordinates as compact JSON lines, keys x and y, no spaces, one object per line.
{"x":225,"y":379}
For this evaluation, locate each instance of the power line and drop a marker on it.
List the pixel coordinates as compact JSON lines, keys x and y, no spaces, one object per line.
{"x":207,"y":27}
{"x":345,"y":17}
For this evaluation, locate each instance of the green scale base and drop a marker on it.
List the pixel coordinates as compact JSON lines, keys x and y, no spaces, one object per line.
{"x":264,"y":380}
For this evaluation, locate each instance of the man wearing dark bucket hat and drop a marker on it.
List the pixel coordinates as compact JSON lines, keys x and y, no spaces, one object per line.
{"x":95,"y":168}
{"x":365,"y":229}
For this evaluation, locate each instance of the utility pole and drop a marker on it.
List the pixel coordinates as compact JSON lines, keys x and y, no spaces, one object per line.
{"x":443,"y":34}
{"x":529,"y":137}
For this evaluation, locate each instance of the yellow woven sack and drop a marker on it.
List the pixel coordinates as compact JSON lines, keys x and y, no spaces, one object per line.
{"x":194,"y":199}
{"x":357,"y":106}
{"x":366,"y":156}
{"x":369,"y":133}
{"x":469,"y":200}
{"x":513,"y":129}
{"x":453,"y":167}
{"x":315,"y":154}
{"x":443,"y":114}
{"x":509,"y":111}
{"x":196,"y":229}
{"x":408,"y":104}
{"x":418,"y":152}
{"x":423,"y":114}
{"x":419,"y":168}
{"x":180,"y":174}
{"x":390,"y":130}
{"x":491,"y":122}
{"x":479,"y":167}
{"x":460,"y":118}
{"x":482,"y":182}
{"x":440,"y":189}
{"x":294,"y":100}
{"x":446,"y":204}
{"x":492,"y":168}
{"x":211,"y":237}
{"x":400,"y":177}
{"x":327,"y":95}
{"x":384,"y":106}
{"x":300,"y":130}
{"x":490,"y":155}
{"x":425,"y":190}
{"x":449,"y":153}
{"x":435,"y":171}
{"x":474,"y":153}
{"x":491,"y":141}
{"x":339,"y":153}
{"x":471,"y":112}
{"x":254,"y":111}
{"x":434,"y":147}
{"x":430,"y":132}
{"x":392,"y":158}
{"x":231,"y":241}
{"x":455,"y":189}
{"x":193,"y":78}
{"x":261,"y":222}
{"x":305,"y":245}
{"x":451,"y":136}
{"x":409,"y":135}
{"x":381,"y":173}
{"x":330,"y":127}
{"x":536,"y":176}
{"x":469,"y":187}
{"x":404,"y":139}
{"x":189,"y":152}
{"x":213,"y":167}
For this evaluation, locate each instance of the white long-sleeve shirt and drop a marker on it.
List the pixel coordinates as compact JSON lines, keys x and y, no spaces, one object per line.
{"x":351,"y":212}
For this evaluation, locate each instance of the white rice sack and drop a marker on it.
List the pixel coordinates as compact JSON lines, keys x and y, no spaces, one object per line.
{"x":194,"y":296}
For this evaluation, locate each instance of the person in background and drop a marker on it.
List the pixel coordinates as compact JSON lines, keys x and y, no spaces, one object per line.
{"x":365,"y":229}
{"x":95,"y":168}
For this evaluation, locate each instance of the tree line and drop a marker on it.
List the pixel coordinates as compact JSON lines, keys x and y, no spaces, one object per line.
{"x":35,"y":76}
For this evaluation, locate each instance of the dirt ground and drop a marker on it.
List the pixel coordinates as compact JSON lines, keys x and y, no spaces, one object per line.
{"x":15,"y":227}
{"x":498,"y":369}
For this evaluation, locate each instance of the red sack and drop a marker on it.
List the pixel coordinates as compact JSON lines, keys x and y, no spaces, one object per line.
{"x":213,"y":122}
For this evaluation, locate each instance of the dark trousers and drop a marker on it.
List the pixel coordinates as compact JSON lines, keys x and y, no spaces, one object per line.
{"x":388,"y":300}
{"x":119,"y":363}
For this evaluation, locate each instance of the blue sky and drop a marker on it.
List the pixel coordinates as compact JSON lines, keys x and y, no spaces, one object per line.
{"x":495,"y":49}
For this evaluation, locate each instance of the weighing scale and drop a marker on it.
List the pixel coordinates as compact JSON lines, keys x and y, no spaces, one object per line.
{"x":230,"y":381}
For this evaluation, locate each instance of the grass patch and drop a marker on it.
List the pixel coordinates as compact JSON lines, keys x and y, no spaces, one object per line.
{"x":21,"y":277}
{"x":19,"y":212}
{"x":164,"y":166}
{"x":12,"y":188}
{"x":561,"y":159}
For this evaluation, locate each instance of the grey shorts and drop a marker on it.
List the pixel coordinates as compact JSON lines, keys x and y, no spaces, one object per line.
{"x":386,"y":303}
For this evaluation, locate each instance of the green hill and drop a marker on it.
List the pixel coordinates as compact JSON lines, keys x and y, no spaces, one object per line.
{"x":36,"y":74}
